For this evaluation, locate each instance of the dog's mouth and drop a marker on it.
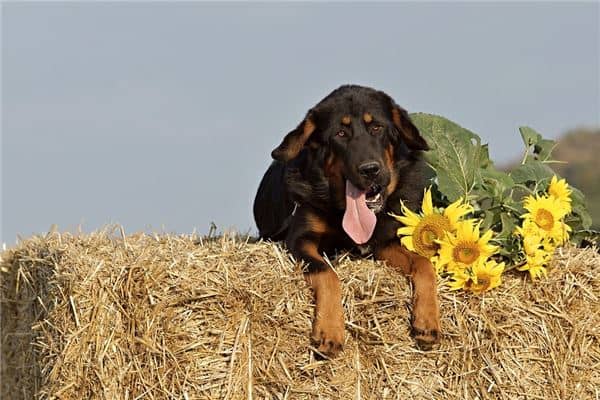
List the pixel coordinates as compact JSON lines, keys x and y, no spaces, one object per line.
{"x":361,"y":205}
{"x":374,"y":198}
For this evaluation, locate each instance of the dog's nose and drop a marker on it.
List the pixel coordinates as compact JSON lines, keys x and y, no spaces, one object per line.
{"x":369,"y":169}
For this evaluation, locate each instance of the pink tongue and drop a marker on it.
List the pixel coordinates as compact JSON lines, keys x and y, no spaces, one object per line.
{"x":359,"y":221}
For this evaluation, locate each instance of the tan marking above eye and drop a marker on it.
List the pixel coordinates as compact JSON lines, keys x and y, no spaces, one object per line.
{"x":346,"y":120}
{"x":368,"y":118}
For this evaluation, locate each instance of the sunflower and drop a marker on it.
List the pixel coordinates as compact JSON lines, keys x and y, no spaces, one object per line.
{"x":465,"y":247}
{"x":565,"y":233}
{"x":478,"y":278}
{"x":531,"y":235}
{"x":486,"y":276}
{"x":421,"y":232}
{"x":529,"y":228}
{"x":435,"y":261}
{"x":560,"y":191}
{"x":531,"y":244}
{"x":461,"y":279}
{"x":546,"y":212}
{"x":534,"y":237}
{"x":536,"y":263}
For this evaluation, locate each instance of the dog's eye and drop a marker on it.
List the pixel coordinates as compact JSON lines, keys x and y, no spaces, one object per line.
{"x":375,"y":129}
{"x":341,"y":134}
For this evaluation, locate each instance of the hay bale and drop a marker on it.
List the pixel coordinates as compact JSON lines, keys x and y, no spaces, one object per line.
{"x":143,"y":316}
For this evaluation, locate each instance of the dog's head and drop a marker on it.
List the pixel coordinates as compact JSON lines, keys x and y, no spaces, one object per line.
{"x":358,"y":135}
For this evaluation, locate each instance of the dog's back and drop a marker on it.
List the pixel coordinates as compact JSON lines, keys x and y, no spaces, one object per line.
{"x":272,"y":204}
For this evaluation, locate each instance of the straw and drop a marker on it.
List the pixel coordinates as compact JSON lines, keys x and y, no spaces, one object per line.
{"x":110,"y":316}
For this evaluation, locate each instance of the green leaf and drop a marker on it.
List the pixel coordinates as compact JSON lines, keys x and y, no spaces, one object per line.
{"x":487,"y":220}
{"x":577,"y":196}
{"x":508,"y":225}
{"x":580,"y":213}
{"x":454,"y":154}
{"x":496,"y":182}
{"x":584,"y":216}
{"x":530,"y":136}
{"x":532,"y":171}
{"x":484,"y":157}
{"x":543,"y":149}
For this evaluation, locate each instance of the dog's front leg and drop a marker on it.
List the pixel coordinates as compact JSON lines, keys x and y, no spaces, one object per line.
{"x":328,"y":322}
{"x":426,"y":313}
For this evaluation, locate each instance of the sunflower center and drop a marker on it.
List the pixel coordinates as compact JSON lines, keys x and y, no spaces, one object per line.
{"x":430,"y":229}
{"x":465,"y":252}
{"x":544,"y":219}
{"x":483,"y":283}
{"x":469,"y":283}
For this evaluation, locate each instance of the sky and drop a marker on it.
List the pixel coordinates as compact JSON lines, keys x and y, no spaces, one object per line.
{"x":162,"y":116}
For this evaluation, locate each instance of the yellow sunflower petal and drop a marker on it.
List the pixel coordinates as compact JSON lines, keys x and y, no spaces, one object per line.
{"x":427,"y":205}
{"x":457,"y":210}
{"x":487,"y":236}
{"x":488,"y":276}
{"x":546,"y":212}
{"x":439,"y":267}
{"x":407,"y":242}
{"x":559,"y":189}
{"x":465,"y":248}
{"x":459,"y":280}
{"x":409,"y":221}
{"x":536,"y":263}
{"x":409,"y":218}
{"x":406,"y":230}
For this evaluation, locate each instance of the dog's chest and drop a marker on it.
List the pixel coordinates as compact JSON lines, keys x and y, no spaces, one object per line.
{"x":364,"y":249}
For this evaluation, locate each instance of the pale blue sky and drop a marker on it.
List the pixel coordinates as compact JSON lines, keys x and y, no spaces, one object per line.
{"x":160,"y":115}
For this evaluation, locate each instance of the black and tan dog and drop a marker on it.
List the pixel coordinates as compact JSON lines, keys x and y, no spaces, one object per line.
{"x":334,"y":180}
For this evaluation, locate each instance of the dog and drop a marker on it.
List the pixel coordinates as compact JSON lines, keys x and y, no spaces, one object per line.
{"x":333,"y":183}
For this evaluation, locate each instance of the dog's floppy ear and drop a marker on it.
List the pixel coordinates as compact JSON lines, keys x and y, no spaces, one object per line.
{"x":408,"y":131}
{"x":294,"y":141}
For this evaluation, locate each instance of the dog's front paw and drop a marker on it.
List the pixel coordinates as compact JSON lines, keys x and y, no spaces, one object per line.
{"x":426,"y":329}
{"x":328,"y":335}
